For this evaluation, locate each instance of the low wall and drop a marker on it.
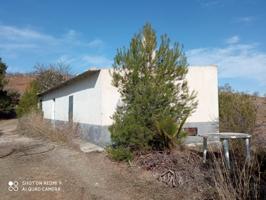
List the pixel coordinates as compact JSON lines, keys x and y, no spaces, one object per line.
{"x":95,"y":134}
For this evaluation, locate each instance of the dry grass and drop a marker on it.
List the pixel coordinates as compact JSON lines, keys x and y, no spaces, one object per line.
{"x":34,"y":125}
{"x":241,"y":182}
{"x":185,"y":172}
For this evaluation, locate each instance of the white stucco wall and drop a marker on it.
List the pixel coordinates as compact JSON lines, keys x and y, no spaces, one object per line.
{"x":110,"y":97}
{"x":47,"y":108}
{"x":204,"y":80}
{"x":95,"y":99}
{"x":86,"y":96}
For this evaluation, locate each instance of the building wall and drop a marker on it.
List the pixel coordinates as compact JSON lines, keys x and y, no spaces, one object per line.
{"x":86,"y":106}
{"x":110,"y":97}
{"x":95,"y":101}
{"x":204,"y":81}
{"x":47,"y":108}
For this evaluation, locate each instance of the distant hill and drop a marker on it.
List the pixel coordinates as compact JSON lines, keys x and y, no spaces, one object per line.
{"x":18,"y":82}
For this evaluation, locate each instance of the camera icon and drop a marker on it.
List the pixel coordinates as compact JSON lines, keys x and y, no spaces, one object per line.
{"x":13,"y":186}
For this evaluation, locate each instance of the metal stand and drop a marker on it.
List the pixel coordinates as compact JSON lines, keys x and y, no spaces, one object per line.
{"x":205,"y":149}
{"x":224,"y":138}
{"x":226,"y":152}
{"x":247,"y":141}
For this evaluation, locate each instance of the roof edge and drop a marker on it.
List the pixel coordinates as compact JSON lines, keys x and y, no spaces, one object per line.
{"x":78,"y":77}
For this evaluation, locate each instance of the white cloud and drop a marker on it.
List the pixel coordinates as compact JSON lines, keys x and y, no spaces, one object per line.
{"x":233,"y":40}
{"x":17,"y":34}
{"x":32,"y":46}
{"x":16,"y":39}
{"x":11,"y":36}
{"x":71,"y":34}
{"x":210,"y":3}
{"x":86,"y":60}
{"x":97,"y":60}
{"x":65,"y":59}
{"x":233,"y":60}
{"x":245,"y":19}
{"x":11,"y":46}
{"x":96,"y":43}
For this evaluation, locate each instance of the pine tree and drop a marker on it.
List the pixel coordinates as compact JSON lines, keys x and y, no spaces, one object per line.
{"x":8,"y":99}
{"x":29,"y":100}
{"x":151,"y":81}
{"x":3,"y":68}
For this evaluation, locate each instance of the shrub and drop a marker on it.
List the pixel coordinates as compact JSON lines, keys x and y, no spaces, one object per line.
{"x":151,"y":81}
{"x":8,"y":103}
{"x":171,"y":132}
{"x":237,"y":112}
{"x":8,"y":99}
{"x":29,"y":100}
{"x":120,"y":153}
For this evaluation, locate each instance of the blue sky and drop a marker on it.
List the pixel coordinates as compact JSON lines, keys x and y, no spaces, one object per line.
{"x":228,"y":33}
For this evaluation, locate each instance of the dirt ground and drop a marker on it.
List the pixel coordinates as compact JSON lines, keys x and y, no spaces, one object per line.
{"x":37,"y":168}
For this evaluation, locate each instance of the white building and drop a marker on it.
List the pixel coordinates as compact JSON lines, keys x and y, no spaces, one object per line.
{"x":90,"y":100}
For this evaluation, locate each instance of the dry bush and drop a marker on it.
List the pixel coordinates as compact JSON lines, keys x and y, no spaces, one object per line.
{"x":34,"y":125}
{"x":237,"y":111}
{"x":259,"y":144}
{"x":180,"y":169}
{"x":241,"y":181}
{"x":186,"y":172}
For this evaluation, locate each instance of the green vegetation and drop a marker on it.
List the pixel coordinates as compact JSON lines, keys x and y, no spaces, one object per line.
{"x":29,"y":100}
{"x":3,"y":68}
{"x":237,"y":111}
{"x":151,"y":81}
{"x":171,"y":132}
{"x":8,"y":99}
{"x":120,"y":153}
{"x":47,"y":76}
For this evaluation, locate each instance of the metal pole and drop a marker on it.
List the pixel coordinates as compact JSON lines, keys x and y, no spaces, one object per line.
{"x":205,"y":149}
{"x":226,"y":152}
{"x":247,"y":148}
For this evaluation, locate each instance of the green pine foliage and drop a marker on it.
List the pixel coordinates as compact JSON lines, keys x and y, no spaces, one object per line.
{"x":151,"y":80}
{"x":120,"y":154}
{"x":171,"y":132}
{"x":29,"y":100}
{"x":8,"y":103}
{"x":3,"y":68}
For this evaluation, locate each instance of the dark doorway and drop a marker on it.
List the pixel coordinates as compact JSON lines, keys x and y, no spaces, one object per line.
{"x":70,"y":109}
